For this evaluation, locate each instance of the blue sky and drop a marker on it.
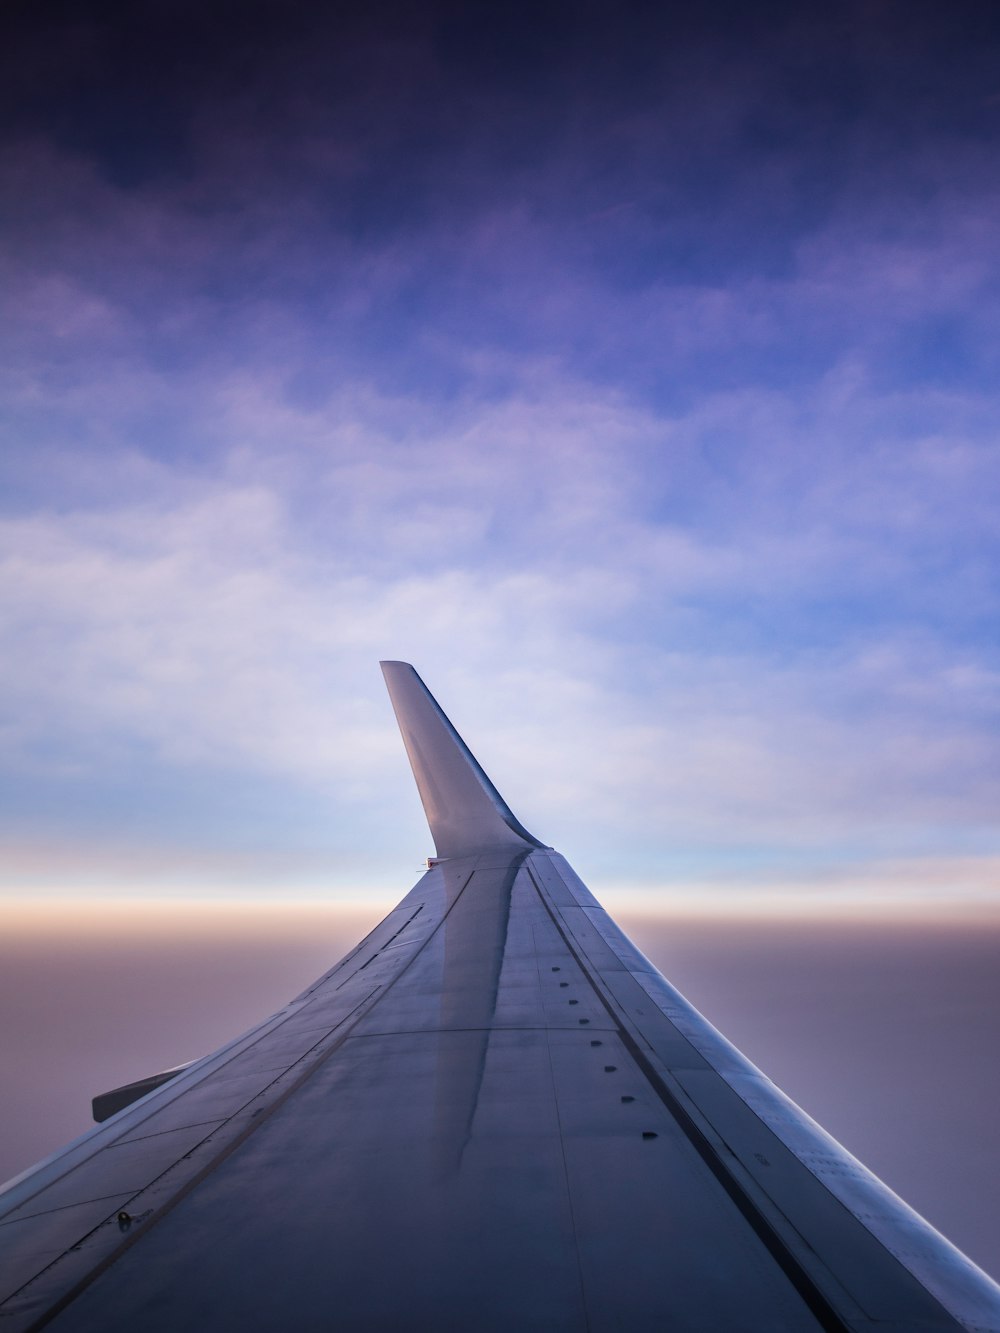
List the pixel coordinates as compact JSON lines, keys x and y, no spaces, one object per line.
{"x":633,"y":376}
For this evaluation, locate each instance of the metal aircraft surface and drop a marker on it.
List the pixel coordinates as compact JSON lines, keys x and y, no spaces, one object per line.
{"x":493,"y":1114}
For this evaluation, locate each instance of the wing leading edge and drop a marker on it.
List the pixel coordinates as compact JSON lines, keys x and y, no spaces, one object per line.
{"x":493,"y":1113}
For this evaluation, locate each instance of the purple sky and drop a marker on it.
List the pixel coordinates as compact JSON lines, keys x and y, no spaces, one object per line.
{"x":633,"y":371}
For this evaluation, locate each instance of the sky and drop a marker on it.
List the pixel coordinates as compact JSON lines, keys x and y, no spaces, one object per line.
{"x":634,"y":371}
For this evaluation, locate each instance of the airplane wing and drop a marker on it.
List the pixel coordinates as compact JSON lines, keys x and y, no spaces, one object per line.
{"x":493,"y":1114}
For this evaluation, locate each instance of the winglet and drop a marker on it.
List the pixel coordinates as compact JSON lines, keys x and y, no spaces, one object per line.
{"x":465,"y":811}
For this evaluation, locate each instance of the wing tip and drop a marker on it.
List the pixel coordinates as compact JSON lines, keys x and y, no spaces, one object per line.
{"x":464,"y":809}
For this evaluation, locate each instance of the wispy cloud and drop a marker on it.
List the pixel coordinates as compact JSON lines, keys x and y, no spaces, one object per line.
{"x":648,"y":406}
{"x":662,"y":672}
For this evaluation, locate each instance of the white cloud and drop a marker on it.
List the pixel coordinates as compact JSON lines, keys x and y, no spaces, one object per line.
{"x":231,"y":622}
{"x":626,"y":608}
